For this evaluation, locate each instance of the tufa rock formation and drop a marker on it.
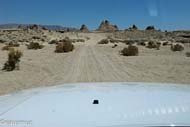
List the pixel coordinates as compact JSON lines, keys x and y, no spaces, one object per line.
{"x":84,"y":28}
{"x":106,"y":26}
{"x":134,"y":27}
{"x":150,"y":28}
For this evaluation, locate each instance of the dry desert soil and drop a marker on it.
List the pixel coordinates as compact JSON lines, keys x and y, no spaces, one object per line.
{"x":92,"y":62}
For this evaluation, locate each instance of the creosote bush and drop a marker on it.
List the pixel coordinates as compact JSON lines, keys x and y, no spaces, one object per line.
{"x":177,"y":47}
{"x":153,"y":44}
{"x":130,"y":51}
{"x":13,"y":60}
{"x":64,"y":46}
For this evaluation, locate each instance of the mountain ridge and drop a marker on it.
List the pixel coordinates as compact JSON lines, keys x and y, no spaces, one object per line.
{"x":49,"y":27}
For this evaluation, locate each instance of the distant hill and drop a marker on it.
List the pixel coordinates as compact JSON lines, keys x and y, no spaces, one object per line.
{"x":49,"y":27}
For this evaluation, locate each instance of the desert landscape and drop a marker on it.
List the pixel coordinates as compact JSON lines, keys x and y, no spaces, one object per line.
{"x":51,"y":57}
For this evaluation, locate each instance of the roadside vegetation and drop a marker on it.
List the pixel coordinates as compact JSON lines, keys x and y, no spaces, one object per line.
{"x":13,"y":61}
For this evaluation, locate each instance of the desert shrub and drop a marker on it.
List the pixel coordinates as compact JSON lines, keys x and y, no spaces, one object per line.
{"x":42,"y":39}
{"x":64,"y":46}
{"x":187,"y":54}
{"x":129,"y":42}
{"x":142,"y":43}
{"x":116,"y":40}
{"x":153,"y":44}
{"x":35,"y":37}
{"x":113,"y":41}
{"x":13,"y":60}
{"x":81,"y":40}
{"x":103,"y":41}
{"x":115,"y":45}
{"x":177,"y":47}
{"x":34,"y":45}
{"x":150,"y":28}
{"x":165,"y":43}
{"x":130,"y":51}
{"x":2,"y":41}
{"x":53,"y":42}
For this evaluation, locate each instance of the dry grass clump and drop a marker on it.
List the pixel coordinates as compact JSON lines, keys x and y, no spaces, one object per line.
{"x":130,"y":51}
{"x":177,"y":47}
{"x":64,"y":46}
{"x":13,"y":60}
{"x":153,"y":44}
{"x":34,"y":45}
{"x":103,"y":41}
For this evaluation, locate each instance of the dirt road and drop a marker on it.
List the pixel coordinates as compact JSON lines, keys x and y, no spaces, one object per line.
{"x":90,"y":62}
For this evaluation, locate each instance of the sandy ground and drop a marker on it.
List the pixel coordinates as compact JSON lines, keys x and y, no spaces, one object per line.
{"x":90,"y":62}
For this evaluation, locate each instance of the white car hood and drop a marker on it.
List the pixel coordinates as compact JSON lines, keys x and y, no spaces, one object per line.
{"x":120,"y":104}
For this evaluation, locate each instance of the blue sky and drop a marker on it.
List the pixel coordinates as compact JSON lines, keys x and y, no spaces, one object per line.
{"x":164,"y":14}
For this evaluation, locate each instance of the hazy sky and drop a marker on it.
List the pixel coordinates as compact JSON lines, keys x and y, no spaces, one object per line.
{"x":164,"y":14}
